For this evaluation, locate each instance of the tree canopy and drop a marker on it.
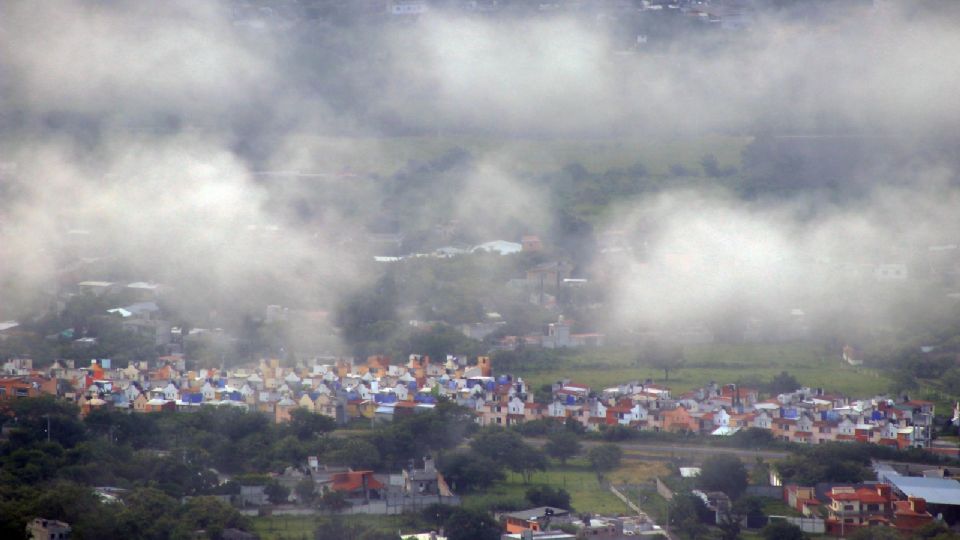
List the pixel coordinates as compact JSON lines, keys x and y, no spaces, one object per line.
{"x":723,"y":472}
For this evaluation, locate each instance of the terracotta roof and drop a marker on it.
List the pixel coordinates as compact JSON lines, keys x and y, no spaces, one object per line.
{"x":863,"y":495}
{"x":353,"y":480}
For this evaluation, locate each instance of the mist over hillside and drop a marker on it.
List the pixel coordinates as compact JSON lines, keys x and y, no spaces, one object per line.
{"x":225,"y":148}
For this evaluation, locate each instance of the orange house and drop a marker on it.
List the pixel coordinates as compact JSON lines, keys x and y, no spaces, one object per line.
{"x":678,"y":419}
{"x":16,"y":388}
{"x":356,"y":484}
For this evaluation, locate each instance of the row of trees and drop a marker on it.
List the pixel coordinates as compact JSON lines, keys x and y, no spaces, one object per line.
{"x":51,"y":460}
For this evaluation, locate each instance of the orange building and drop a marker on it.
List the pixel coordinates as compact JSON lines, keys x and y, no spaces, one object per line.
{"x":678,"y":419}
{"x":13,"y":388}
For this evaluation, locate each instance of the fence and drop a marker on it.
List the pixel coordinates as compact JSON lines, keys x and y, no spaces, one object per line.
{"x":807,"y":525}
{"x":626,"y":500}
{"x":663,"y":490}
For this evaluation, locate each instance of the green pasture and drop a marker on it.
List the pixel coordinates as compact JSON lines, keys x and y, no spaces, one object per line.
{"x":720,"y":363}
{"x":284,"y":527}
{"x":300,"y":527}
{"x":586,"y":492}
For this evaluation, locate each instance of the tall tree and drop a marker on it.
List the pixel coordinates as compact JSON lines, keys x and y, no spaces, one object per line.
{"x":466,"y":524}
{"x":562,"y":445}
{"x":605,"y":458}
{"x":660,"y":356}
{"x":723,"y":472}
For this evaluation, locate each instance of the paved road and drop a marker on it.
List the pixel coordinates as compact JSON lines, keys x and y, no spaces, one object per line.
{"x":681,"y":449}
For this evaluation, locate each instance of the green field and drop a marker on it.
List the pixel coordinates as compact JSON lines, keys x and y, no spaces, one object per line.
{"x":284,"y":527}
{"x":517,"y":155}
{"x":303,"y":527}
{"x":586,"y":492}
{"x":720,"y":363}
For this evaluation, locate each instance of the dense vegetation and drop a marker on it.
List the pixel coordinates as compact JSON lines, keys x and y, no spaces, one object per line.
{"x":158,"y":459}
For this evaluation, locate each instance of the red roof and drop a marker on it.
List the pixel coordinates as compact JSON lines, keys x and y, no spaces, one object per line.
{"x":863,"y":495}
{"x":405,"y":404}
{"x":353,"y":480}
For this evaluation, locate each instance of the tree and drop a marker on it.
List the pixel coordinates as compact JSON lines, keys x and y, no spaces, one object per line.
{"x":783,"y":383}
{"x":467,"y":471}
{"x":507,"y":447}
{"x":333,"y":501}
{"x":729,"y":526}
{"x":548,"y":496}
{"x":148,"y":513}
{"x":437,"y":513}
{"x":276,"y":492}
{"x":562,"y":445}
{"x":687,"y":506}
{"x":605,"y":458}
{"x":305,"y":490}
{"x":466,"y":524}
{"x":782,"y":530}
{"x":666,"y":357}
{"x":441,"y":340}
{"x":526,"y":461}
{"x":357,"y":453}
{"x":305,"y":424}
{"x":723,"y":472}
{"x":209,"y":514}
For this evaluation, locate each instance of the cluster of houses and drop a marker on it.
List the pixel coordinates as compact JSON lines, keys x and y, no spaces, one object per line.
{"x":905,"y":497}
{"x":806,"y":415}
{"x":378,"y":389}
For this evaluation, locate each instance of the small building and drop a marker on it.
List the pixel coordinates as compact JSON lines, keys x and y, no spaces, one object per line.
{"x":531,"y":243}
{"x":534,"y":519}
{"x":357,"y":485}
{"x":48,"y":529}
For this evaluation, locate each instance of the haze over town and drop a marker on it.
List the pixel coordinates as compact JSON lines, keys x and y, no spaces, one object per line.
{"x":650,"y":203}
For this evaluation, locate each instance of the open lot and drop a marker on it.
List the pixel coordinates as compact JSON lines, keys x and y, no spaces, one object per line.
{"x":586,"y":492}
{"x":720,"y":363}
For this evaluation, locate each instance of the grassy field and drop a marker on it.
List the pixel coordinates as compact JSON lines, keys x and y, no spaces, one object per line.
{"x":518,"y":155}
{"x":720,"y":363}
{"x":586,"y":493}
{"x":284,"y":527}
{"x":300,"y":527}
